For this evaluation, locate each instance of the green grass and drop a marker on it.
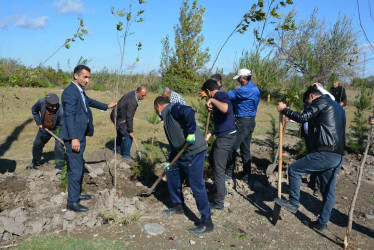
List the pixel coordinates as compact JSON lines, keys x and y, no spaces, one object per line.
{"x":68,"y":242}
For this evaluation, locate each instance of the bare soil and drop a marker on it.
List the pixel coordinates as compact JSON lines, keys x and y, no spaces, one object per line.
{"x":244,"y":223}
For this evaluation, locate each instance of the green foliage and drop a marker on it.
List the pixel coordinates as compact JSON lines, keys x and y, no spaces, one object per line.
{"x":272,"y":133}
{"x":360,"y":126}
{"x":179,"y":83}
{"x":187,"y":58}
{"x":13,"y":73}
{"x":268,"y":73}
{"x":239,"y":236}
{"x":99,"y":88}
{"x":63,"y":181}
{"x":150,"y":157}
{"x":316,"y":50}
{"x":81,"y":31}
{"x":113,"y":217}
{"x":357,"y":81}
{"x":67,"y":242}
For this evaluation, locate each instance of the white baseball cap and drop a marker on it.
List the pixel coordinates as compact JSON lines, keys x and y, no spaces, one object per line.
{"x":242,"y":72}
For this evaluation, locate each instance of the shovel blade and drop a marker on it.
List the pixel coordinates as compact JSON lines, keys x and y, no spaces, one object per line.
{"x":276,"y":213}
{"x":270,"y":169}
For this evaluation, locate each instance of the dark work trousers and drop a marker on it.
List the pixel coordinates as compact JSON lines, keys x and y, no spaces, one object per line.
{"x":218,"y":155}
{"x":192,"y":168}
{"x":246,"y":126}
{"x":75,"y":171}
{"x":326,"y":165}
{"x":42,"y":137}
{"x":123,"y":144}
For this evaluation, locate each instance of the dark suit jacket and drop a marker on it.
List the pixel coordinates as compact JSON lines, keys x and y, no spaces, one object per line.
{"x":38,"y":111}
{"x":78,"y":121}
{"x":126,"y":108}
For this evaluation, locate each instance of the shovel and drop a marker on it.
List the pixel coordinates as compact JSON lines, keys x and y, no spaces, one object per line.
{"x":138,"y":152}
{"x":277,"y":208}
{"x":151,"y":189}
{"x":272,"y":166}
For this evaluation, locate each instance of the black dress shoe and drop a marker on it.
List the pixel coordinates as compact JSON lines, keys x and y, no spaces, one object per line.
{"x":76,"y":207}
{"x":84,"y":197}
{"x":178,"y":209}
{"x":203,"y":227}
{"x":319,"y":227}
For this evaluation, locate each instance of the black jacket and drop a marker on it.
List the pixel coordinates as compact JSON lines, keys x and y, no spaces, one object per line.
{"x":326,"y":129}
{"x":339,"y":94}
{"x":126,"y":108}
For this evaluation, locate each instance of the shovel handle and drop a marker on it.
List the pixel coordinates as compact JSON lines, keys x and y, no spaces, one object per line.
{"x":280,"y":161}
{"x":136,"y":143}
{"x":54,"y":136}
{"x":164,"y":173}
{"x":207,"y":122}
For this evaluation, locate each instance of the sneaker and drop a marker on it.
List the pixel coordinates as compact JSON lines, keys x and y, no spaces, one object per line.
{"x":128,"y":158}
{"x":287,"y":205}
{"x":178,"y":209}
{"x":319,"y":227}
{"x":215,"y":206}
{"x":203,"y":227}
{"x":33,"y":166}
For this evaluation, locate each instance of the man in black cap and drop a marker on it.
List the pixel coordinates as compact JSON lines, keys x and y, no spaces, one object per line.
{"x":48,"y":114}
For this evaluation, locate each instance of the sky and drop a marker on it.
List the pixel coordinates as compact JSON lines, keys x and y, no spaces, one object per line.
{"x":32,"y":30}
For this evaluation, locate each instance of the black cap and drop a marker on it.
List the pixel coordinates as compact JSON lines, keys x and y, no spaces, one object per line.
{"x":52,"y":99}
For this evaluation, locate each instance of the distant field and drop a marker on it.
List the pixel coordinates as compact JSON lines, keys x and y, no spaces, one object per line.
{"x":18,"y":129}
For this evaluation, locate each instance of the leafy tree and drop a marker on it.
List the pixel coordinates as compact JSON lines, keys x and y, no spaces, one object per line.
{"x":316,"y":51}
{"x":360,"y":126}
{"x":268,"y":72}
{"x":187,"y":58}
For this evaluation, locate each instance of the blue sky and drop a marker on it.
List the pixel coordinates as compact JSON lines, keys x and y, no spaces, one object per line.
{"x":31,"y":30}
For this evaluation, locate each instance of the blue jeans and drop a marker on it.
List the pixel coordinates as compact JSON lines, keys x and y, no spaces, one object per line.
{"x":327,"y":165}
{"x":246,"y":126}
{"x":191,"y":167}
{"x":123,"y":144}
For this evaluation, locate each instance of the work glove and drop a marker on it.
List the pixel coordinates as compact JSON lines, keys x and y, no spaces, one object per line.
{"x":166,"y":166}
{"x":203,"y":94}
{"x":190,"y":138}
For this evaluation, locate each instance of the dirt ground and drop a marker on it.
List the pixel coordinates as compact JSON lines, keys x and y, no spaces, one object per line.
{"x":244,"y":223}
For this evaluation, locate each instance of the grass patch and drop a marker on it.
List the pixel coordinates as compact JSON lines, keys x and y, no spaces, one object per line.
{"x":112,"y":217}
{"x":67,"y":242}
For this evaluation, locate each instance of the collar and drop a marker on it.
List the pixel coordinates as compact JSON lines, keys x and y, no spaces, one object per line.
{"x":79,"y":88}
{"x":136,"y":98}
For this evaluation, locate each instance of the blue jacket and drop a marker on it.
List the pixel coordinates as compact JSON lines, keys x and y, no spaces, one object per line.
{"x":246,"y":100}
{"x":78,"y":121}
{"x":224,"y":123}
{"x":38,"y":111}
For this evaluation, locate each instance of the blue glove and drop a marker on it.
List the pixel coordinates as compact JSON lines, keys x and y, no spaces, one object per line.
{"x":190,"y":138}
{"x":166,"y":167}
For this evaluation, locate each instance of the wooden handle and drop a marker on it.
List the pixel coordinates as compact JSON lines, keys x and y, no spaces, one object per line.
{"x":55,"y":136}
{"x":280,"y":161}
{"x":207,"y":123}
{"x":164,"y":173}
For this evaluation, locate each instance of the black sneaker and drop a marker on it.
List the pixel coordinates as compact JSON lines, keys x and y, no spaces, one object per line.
{"x":319,"y":227}
{"x":287,"y":205}
{"x":203,"y":227}
{"x":33,"y":166}
{"x":178,"y":209}
{"x":215,"y":206}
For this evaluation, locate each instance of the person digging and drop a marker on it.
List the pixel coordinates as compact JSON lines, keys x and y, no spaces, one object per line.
{"x":48,"y":114}
{"x":326,"y":121}
{"x":180,"y":127}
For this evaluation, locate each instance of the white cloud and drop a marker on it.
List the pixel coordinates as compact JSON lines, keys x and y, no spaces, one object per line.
{"x":32,"y":23}
{"x":5,"y":21}
{"x":69,"y":6}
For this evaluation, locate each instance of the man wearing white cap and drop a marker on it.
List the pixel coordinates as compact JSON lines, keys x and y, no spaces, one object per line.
{"x":246,"y":100}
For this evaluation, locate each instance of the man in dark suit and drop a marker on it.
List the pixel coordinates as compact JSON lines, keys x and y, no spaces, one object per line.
{"x":126,"y":108}
{"x":48,"y":114}
{"x":77,"y":125}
